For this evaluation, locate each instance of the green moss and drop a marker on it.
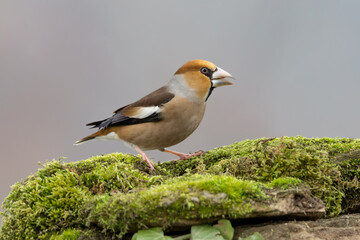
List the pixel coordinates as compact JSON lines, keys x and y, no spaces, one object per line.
{"x":311,"y":160}
{"x":77,"y":234}
{"x":49,"y":200}
{"x":175,"y":199}
{"x":68,"y":234}
{"x":285,"y":183}
{"x":350,"y":172}
{"x":113,"y":172}
{"x":60,"y":195}
{"x":46,"y":201}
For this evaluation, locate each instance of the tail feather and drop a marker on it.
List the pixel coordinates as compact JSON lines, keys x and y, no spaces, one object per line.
{"x":78,"y":142}
{"x":92,"y":136}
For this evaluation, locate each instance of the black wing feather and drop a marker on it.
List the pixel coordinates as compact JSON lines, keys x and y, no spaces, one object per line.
{"x":156,"y":98}
{"x":118,"y":119}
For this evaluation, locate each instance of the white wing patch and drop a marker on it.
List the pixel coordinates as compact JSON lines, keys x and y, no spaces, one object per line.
{"x":145,"y":112}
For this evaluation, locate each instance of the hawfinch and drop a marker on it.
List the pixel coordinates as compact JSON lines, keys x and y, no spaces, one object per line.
{"x":166,"y":116}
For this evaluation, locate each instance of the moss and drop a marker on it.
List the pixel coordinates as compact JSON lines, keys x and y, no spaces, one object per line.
{"x":78,"y":234}
{"x":178,"y":198}
{"x":68,"y":234}
{"x":285,"y":183}
{"x":350,"y":172}
{"x":46,"y":201}
{"x":311,"y":160}
{"x":113,"y":172}
{"x":51,"y":200}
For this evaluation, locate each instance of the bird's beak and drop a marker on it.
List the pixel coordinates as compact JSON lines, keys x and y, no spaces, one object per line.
{"x":219,"y":78}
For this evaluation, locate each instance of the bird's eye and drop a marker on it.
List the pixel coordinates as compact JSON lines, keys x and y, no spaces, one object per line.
{"x":204,"y":70}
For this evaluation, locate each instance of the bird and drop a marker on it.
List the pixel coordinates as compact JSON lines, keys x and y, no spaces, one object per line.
{"x":166,"y":116}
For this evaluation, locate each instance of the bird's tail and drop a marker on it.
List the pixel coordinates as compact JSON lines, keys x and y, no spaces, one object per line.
{"x":92,"y":136}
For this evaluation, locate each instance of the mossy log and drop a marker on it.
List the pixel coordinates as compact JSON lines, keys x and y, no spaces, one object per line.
{"x":198,"y":199}
{"x":112,"y":195}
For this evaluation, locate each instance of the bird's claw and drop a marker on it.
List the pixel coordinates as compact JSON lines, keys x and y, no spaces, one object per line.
{"x":150,"y":163}
{"x":184,"y":156}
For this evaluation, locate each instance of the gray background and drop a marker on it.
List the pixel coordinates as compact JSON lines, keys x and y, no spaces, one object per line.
{"x":66,"y":63}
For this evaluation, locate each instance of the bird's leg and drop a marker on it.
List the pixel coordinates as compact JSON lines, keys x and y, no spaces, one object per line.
{"x":144,"y":157}
{"x":183,"y":155}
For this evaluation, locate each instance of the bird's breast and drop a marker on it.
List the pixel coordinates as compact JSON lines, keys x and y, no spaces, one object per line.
{"x":180,"y":117}
{"x":183,"y":115}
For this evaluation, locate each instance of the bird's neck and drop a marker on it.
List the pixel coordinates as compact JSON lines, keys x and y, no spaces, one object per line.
{"x":178,"y":86}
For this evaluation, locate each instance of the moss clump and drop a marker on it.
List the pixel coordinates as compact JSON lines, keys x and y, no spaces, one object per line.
{"x":114,"y":172}
{"x":173,"y":200}
{"x":59,"y":196}
{"x":68,"y":234}
{"x":311,"y":160}
{"x":49,"y":200}
{"x":285,"y":183}
{"x":78,"y":234}
{"x":46,"y":201}
{"x":350,"y":172}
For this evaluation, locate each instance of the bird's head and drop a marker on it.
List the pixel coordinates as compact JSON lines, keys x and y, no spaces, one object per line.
{"x":202,"y":77}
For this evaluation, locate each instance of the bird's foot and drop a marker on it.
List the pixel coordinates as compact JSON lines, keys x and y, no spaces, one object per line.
{"x":183,"y":156}
{"x":148,"y":161}
{"x":144,"y":157}
{"x":190,"y":155}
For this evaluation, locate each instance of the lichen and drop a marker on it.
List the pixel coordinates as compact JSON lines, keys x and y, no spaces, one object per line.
{"x":60,"y":195}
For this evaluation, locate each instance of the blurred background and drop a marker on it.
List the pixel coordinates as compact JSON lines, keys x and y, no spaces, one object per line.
{"x":66,"y":63}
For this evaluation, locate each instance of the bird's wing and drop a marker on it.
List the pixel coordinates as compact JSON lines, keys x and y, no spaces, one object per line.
{"x":147,"y":109}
